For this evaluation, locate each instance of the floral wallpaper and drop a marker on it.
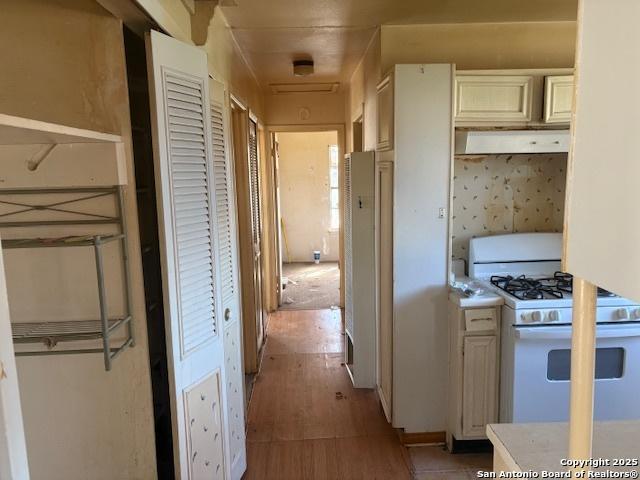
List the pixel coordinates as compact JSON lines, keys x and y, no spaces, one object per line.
{"x":498,"y":194}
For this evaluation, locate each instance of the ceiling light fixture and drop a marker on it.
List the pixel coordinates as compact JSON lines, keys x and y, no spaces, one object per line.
{"x":302,"y":68}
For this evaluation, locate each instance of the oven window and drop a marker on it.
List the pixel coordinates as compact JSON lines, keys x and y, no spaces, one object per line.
{"x":609,"y":364}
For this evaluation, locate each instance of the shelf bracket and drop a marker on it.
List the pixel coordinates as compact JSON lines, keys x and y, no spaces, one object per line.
{"x":40,"y":156}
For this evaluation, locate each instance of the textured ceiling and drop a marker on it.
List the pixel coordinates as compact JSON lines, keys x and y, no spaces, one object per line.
{"x":335,"y":33}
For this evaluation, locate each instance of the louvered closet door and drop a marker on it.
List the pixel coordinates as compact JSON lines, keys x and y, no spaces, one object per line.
{"x":183,"y":161}
{"x":228,"y":280}
{"x":254,"y":192}
{"x":348,"y":265}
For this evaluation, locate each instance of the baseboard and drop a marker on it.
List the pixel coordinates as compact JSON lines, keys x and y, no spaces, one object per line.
{"x":422,"y":437}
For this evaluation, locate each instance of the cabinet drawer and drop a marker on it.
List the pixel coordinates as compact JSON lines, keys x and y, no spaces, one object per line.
{"x":480,"y":320}
{"x":493,"y":98}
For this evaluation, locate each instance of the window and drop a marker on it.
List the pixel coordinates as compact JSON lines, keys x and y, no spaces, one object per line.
{"x":334,"y":187}
{"x":609,"y":364}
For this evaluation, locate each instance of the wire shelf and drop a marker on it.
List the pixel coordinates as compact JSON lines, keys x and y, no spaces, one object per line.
{"x":76,"y":241}
{"x":50,"y":333}
{"x":102,"y":329}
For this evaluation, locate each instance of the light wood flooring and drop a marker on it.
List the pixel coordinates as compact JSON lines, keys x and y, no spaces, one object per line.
{"x":307,"y":422}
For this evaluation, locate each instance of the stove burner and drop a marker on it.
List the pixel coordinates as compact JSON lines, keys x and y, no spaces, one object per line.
{"x":526,"y":288}
{"x":565,"y":283}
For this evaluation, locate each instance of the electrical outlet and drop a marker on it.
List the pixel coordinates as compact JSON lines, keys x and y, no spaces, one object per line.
{"x":442,"y":213}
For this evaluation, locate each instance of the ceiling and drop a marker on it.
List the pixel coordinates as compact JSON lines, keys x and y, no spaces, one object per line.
{"x":335,"y":33}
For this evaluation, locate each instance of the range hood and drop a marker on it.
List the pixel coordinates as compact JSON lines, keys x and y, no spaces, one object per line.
{"x":511,"y":141}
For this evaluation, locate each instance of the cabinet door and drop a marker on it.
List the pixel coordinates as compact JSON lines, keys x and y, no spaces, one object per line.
{"x":384,"y":264}
{"x":479,"y":385}
{"x":558,"y":98}
{"x":493,"y":98}
{"x":385,"y":114}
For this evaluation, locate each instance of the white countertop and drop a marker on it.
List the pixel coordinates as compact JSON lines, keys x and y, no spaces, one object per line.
{"x":541,"y":446}
{"x":487,"y":299}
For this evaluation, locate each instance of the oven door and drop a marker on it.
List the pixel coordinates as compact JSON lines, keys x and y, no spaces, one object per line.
{"x":542,"y":365}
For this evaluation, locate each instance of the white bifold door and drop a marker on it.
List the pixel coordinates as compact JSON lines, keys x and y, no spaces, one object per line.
{"x":197,"y":240}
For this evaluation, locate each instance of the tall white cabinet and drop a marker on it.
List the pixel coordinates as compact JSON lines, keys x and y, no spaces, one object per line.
{"x":413,"y":175}
{"x":359,"y":268}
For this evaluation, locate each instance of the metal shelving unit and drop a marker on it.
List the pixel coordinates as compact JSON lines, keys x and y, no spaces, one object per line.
{"x":104,"y":328}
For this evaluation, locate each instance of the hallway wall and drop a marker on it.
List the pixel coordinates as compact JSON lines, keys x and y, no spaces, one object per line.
{"x":304,"y":195}
{"x":63,"y":62}
{"x":304,"y":109}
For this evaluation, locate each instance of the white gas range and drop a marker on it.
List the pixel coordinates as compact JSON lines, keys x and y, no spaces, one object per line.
{"x":536,"y":332}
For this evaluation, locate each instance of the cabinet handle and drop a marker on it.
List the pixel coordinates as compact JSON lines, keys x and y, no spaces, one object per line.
{"x":227,"y":314}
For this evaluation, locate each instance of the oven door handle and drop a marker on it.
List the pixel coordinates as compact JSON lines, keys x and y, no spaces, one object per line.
{"x":564,"y":333}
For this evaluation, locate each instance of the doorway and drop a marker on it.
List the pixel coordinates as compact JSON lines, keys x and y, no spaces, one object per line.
{"x":308,"y":179}
{"x":140,"y":110}
{"x":357,"y":134}
{"x":246,"y":154}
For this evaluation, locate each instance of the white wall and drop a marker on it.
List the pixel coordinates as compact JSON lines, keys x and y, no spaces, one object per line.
{"x":304,"y":195}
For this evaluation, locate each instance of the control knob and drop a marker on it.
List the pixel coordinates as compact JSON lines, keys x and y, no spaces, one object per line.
{"x":636,"y":314}
{"x":536,"y":316}
{"x":554,"y":316}
{"x":622,"y":314}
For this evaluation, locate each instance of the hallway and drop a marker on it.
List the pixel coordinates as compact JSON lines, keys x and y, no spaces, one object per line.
{"x":306,"y":421}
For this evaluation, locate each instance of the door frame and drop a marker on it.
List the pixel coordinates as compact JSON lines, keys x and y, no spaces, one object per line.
{"x":275,"y":268}
{"x":240,"y":115}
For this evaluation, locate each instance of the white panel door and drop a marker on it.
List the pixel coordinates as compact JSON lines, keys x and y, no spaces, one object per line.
{"x":229,"y":280}
{"x":183,"y":162}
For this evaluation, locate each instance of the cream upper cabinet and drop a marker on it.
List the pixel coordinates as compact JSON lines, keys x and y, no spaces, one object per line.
{"x":493,"y":98}
{"x":385,"y":114}
{"x":558,"y":98}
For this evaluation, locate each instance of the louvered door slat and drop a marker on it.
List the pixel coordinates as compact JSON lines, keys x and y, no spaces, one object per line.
{"x":223,"y":212}
{"x":192,"y":212}
{"x":348,"y":247}
{"x":254,"y":181}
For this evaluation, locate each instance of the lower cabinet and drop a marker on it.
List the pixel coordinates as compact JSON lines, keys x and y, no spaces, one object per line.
{"x":474,"y":338}
{"x":479,"y":380}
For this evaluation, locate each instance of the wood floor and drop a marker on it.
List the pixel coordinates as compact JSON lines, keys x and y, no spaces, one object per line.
{"x":305,"y":420}
{"x":310,"y":286}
